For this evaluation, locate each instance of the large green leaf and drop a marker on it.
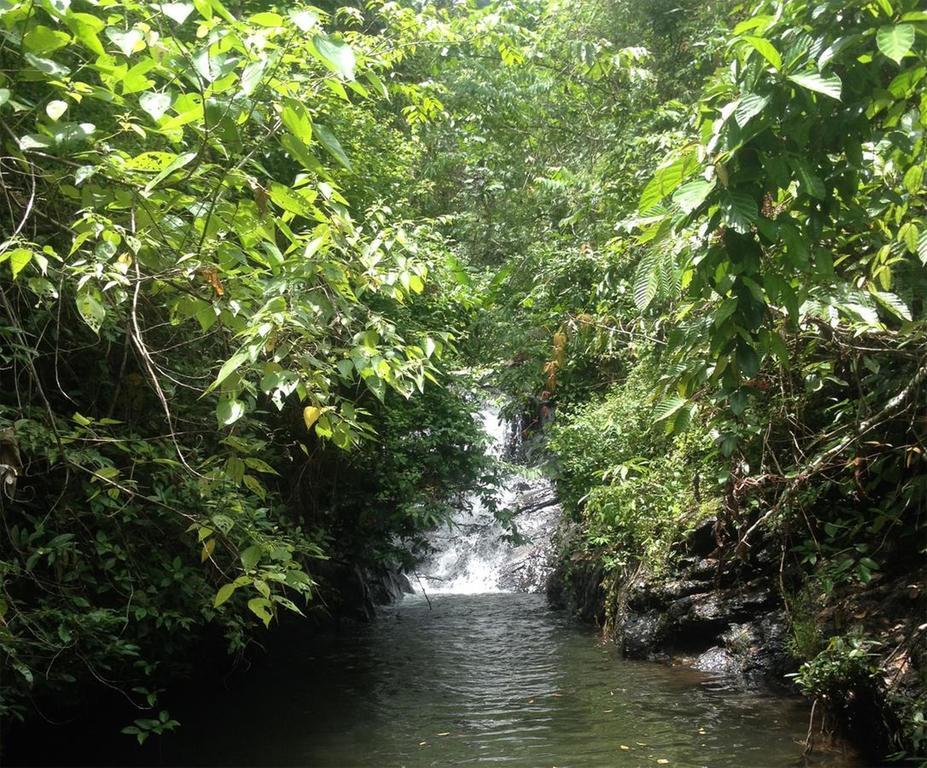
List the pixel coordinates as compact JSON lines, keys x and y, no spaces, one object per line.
{"x":766,"y":49}
{"x":42,"y":39}
{"x":177,"y":12}
{"x":229,"y":410}
{"x":692,"y":194}
{"x":895,"y":41}
{"x":668,"y":407}
{"x":647,"y":279}
{"x":749,"y":106}
{"x":665,"y":181}
{"x":91,"y":309}
{"x":814,"y":81}
{"x":175,"y":165}
{"x":155,"y":104}
{"x":336,"y":55}
{"x":296,"y":118}
{"x":19,"y":260}
{"x":739,"y":210}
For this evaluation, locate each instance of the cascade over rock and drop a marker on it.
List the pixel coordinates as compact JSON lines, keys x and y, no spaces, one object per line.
{"x":476,"y":554}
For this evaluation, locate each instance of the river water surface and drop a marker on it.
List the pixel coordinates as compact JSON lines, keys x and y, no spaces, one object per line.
{"x":484,"y":679}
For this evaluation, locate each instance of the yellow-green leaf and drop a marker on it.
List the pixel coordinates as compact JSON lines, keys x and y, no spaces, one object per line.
{"x":311,"y":415}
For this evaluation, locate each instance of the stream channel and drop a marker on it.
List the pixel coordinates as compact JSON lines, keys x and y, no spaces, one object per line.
{"x":474,"y":672}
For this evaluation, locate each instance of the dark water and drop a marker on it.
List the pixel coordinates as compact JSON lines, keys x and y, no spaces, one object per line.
{"x":495,"y":679}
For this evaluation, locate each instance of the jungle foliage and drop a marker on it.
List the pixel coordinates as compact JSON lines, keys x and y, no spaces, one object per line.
{"x":256,"y":256}
{"x":207,"y":347}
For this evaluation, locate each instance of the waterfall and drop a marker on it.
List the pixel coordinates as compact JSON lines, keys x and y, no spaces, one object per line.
{"x":472,"y":554}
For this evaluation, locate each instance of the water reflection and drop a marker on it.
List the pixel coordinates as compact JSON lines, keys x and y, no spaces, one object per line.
{"x":485,"y":679}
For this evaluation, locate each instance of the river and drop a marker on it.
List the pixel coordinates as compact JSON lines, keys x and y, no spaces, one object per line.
{"x":482,"y":679}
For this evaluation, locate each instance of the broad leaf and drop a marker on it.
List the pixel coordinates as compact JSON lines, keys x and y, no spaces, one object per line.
{"x":328,"y":140}
{"x":336,"y":55}
{"x":178,"y":12}
{"x":895,"y":41}
{"x":175,"y":165}
{"x":647,"y":280}
{"x":224,"y":593}
{"x":739,"y":210}
{"x":692,"y":194}
{"x":91,"y":310}
{"x":813,"y":81}
{"x":766,"y":49}
{"x":19,"y":260}
{"x":311,"y":415}
{"x":155,"y":104}
{"x":668,"y":407}
{"x":748,"y":107}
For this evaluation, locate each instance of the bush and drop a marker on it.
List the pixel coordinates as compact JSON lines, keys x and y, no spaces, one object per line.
{"x":633,"y":489}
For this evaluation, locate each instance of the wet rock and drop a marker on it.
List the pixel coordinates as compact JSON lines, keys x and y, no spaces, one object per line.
{"x":578,"y":590}
{"x":387,"y":586}
{"x":701,"y":570}
{"x":702,"y":541}
{"x":717,"y":661}
{"x":642,"y":634}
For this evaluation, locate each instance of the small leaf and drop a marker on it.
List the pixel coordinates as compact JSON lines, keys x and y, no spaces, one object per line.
{"x":224,"y":593}
{"x":155,"y":104}
{"x":895,"y":41}
{"x":311,"y":415}
{"x":55,"y":109}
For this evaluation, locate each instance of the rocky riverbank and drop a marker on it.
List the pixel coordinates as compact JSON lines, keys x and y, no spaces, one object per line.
{"x":720,"y":617}
{"x":726,"y":616}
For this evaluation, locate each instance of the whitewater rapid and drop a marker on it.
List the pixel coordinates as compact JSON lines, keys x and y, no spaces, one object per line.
{"x":475,"y":554}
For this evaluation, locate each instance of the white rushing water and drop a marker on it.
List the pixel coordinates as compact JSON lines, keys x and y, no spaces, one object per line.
{"x":473,"y":555}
